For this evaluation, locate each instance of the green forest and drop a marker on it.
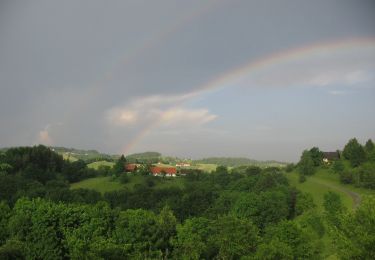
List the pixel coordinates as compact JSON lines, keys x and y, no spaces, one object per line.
{"x":245,"y":212}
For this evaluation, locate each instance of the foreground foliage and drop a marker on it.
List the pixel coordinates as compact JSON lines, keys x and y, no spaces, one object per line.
{"x":245,"y":213}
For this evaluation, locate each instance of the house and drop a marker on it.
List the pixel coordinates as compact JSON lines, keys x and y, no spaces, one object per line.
{"x":330,"y":156}
{"x":161,"y":171}
{"x":131,"y":167}
{"x":182,"y":164}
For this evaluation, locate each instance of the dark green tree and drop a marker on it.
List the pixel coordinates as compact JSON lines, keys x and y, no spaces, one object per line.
{"x":12,"y":250}
{"x":338,"y":166}
{"x":355,"y":238}
{"x":119,"y":167}
{"x":274,"y":249}
{"x":234,"y":237}
{"x":4,"y":218}
{"x":354,"y":152}
{"x":366,"y":175}
{"x":264,"y":209}
{"x":139,"y":229}
{"x":306,"y":164}
{"x":288,"y":236}
{"x":304,"y":203}
{"x":289,"y":167}
{"x":166,"y":222}
{"x":333,"y":208}
{"x":192,"y":237}
{"x":369,"y":146}
{"x":316,"y":156}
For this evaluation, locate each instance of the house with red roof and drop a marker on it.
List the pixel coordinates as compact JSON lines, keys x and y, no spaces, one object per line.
{"x":131,"y":167}
{"x":163,"y":171}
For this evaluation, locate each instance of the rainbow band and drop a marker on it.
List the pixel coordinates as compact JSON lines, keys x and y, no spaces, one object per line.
{"x":262,"y":63}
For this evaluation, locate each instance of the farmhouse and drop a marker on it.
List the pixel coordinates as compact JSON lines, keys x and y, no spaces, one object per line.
{"x":161,"y":171}
{"x":330,"y":156}
{"x":131,"y":167}
{"x":182,"y":164}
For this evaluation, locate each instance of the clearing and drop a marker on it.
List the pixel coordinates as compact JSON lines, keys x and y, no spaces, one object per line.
{"x":325,"y":180}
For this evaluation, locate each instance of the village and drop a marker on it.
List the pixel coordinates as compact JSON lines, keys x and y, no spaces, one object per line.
{"x":160,"y":170}
{"x":182,"y":168}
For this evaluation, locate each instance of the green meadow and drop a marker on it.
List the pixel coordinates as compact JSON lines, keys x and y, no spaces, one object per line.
{"x":107,"y":184}
{"x":325,"y":180}
{"x":96,"y":165}
{"x":69,"y":157}
{"x":101,"y":184}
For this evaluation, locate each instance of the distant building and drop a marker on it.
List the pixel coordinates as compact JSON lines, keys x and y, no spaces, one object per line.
{"x":182,"y":164}
{"x":161,"y":171}
{"x":330,"y":156}
{"x":131,"y":167}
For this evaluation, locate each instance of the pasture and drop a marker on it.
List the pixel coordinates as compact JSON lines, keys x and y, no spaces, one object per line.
{"x":325,"y":180}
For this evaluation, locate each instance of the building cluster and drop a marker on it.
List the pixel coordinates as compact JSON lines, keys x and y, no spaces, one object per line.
{"x":154,"y":170}
{"x":330,"y":156}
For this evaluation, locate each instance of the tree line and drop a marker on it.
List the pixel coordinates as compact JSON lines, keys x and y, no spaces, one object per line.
{"x":247,"y":212}
{"x":356,"y":164}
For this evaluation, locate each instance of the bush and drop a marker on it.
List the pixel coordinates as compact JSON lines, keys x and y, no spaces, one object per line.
{"x":366,"y":174}
{"x":289,"y":167}
{"x":347,"y":177}
{"x":12,"y":250}
{"x":124,"y":178}
{"x":150,"y":182}
{"x":338,"y":166}
{"x":302,"y":178}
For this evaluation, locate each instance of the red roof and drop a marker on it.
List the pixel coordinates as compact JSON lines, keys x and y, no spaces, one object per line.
{"x":166,"y":170}
{"x":130,"y":167}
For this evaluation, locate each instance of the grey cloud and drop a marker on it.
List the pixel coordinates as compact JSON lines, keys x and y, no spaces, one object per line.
{"x":71,"y":62}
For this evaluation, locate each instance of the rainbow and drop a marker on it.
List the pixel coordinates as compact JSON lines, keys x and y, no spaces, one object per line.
{"x":156,"y":39}
{"x":262,"y":63}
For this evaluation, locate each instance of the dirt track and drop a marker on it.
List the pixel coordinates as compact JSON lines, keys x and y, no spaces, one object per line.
{"x":355,"y":196}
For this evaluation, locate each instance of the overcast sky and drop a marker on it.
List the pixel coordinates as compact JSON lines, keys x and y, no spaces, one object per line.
{"x":262,"y":79}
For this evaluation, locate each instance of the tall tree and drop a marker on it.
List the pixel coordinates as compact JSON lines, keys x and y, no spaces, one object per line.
{"x":338,"y":166}
{"x":354,"y":152}
{"x":355,"y":238}
{"x":120,"y":164}
{"x":316,"y":156}
{"x":288,"y":241}
{"x":306,"y":164}
{"x":369,"y":146}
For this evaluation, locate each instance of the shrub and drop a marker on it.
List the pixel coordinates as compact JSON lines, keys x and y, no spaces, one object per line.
{"x":124,"y":178}
{"x":346,"y":177}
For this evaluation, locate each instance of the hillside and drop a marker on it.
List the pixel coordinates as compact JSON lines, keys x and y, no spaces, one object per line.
{"x":88,"y":156}
{"x":146,"y":157}
{"x":238,"y":161}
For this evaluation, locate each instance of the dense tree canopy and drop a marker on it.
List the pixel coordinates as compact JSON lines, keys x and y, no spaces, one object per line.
{"x":241,"y":213}
{"x":355,"y":237}
{"x":306,"y":164}
{"x":354,"y":152}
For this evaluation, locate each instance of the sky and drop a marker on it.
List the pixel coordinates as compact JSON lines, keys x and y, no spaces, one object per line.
{"x":259,"y":79}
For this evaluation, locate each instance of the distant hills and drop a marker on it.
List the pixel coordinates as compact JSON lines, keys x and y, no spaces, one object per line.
{"x":85,"y":155}
{"x":239,"y":161}
{"x":154,"y":157}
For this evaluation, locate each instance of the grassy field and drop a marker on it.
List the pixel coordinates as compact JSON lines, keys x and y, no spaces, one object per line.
{"x":106,"y":184}
{"x":321,"y":182}
{"x":325,"y":180}
{"x":69,"y":157}
{"x":206,"y":167}
{"x":101,"y":184}
{"x":95,"y":165}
